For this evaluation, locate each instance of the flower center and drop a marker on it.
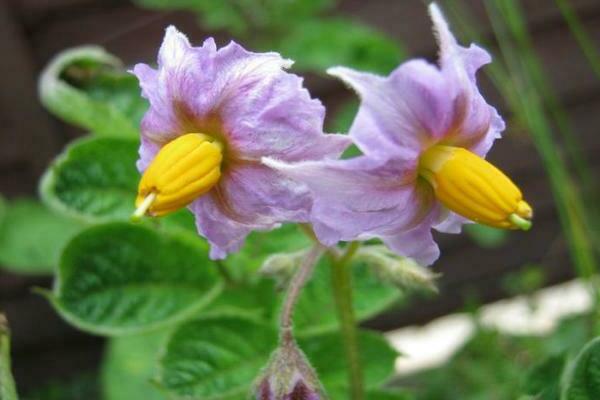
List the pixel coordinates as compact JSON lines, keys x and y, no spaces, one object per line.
{"x":183,"y":170}
{"x":474,"y":188}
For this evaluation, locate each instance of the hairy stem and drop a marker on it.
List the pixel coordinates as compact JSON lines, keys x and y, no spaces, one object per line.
{"x":342,"y":291}
{"x":304,"y":272}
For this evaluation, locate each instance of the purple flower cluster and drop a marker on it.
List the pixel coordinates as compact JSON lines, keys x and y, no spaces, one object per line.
{"x":278,"y":164}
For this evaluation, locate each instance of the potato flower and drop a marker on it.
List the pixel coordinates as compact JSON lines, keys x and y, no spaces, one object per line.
{"x":214,"y":114}
{"x":423,"y":131}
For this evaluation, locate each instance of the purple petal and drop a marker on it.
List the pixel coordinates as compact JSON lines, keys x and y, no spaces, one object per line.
{"x":249,"y":197}
{"x":358,"y":197}
{"x":399,"y":114}
{"x":247,"y":101}
{"x":244,"y":98}
{"x":476,"y":124}
{"x":416,"y":243}
{"x":450,"y":222}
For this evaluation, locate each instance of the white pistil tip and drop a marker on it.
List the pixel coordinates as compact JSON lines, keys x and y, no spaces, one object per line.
{"x":141,"y":210}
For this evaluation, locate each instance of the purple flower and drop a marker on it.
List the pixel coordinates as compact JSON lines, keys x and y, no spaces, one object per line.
{"x":214,"y":114}
{"x":423,"y":131}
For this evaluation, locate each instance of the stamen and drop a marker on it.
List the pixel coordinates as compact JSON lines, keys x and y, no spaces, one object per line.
{"x":474,"y":188}
{"x":143,"y":207}
{"x":183,"y":170}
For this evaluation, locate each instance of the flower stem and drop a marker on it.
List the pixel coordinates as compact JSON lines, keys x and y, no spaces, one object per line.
{"x":298,"y":281}
{"x":342,"y":291}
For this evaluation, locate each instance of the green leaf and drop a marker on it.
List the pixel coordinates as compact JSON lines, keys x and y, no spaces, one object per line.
{"x":318,"y":44}
{"x":220,"y":357}
{"x":582,"y":377}
{"x":241,"y":17}
{"x":389,"y":395}
{"x":257,"y":300}
{"x":315,"y":311}
{"x":326,"y":354}
{"x":94,"y":179}
{"x":486,"y":236}
{"x":130,"y":365}
{"x":87,"y":87}
{"x":119,"y":279}
{"x":216,"y":358}
{"x":542,"y":380}
{"x":8,"y":390}
{"x":32,"y":237}
{"x":260,"y":245}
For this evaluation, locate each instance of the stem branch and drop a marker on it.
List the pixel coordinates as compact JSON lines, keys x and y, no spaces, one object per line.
{"x":297,"y":283}
{"x":342,"y":291}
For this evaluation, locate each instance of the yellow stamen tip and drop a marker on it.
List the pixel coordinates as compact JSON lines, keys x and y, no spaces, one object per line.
{"x":474,"y":188}
{"x":524,"y":210}
{"x":183,"y":170}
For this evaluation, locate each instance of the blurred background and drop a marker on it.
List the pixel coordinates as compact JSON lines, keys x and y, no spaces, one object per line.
{"x":545,"y":80}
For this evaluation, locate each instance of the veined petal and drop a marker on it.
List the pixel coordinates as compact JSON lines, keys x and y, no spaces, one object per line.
{"x":250,"y":197}
{"x":251,"y":106}
{"x":416,"y":243}
{"x":476,"y":124}
{"x":357,"y":197}
{"x":275,"y":116}
{"x":399,"y":114}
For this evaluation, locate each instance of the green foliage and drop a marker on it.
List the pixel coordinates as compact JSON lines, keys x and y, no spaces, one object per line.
{"x":94,"y":179}
{"x":87,"y":87}
{"x":82,"y":386}
{"x":318,"y":44}
{"x":118,"y":279}
{"x":259,"y":245}
{"x":541,"y":381}
{"x":216,"y":358}
{"x":582,"y":377}
{"x":8,"y":390}
{"x":486,"y":236}
{"x":526,"y":281}
{"x":492,"y":365}
{"x":32,"y":237}
{"x":130,"y":365}
{"x":326,"y":354}
{"x":219,"y":358}
{"x":242,"y":17}
{"x":370,"y":298}
{"x":389,"y":395}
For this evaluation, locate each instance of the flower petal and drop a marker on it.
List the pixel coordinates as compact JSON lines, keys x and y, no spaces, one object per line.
{"x":245,"y":98}
{"x":476,"y":124}
{"x":399,"y":114}
{"x":249,"y":197}
{"x":357,"y":197}
{"x":416,"y":243}
{"x":270,"y":113}
{"x":450,"y":222}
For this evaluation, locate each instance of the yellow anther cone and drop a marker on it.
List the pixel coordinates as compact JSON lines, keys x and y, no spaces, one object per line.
{"x":183,"y":170}
{"x":474,"y":188}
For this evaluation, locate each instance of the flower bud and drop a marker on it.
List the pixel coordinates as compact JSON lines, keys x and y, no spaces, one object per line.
{"x":472,"y":187}
{"x":402,"y":272}
{"x":183,"y":170}
{"x":282,"y":266}
{"x":288,"y":375}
